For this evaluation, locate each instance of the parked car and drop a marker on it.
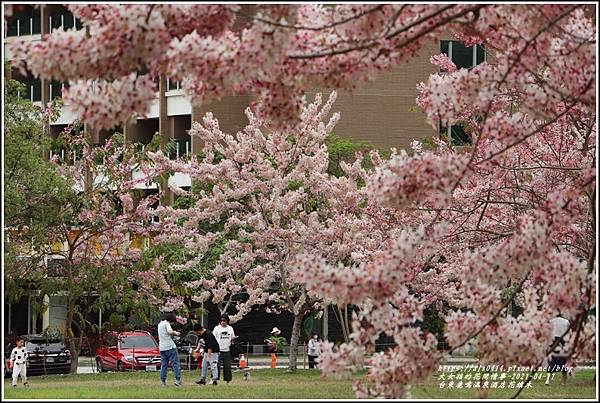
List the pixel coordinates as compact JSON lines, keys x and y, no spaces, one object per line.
{"x":136,"y":350}
{"x":46,"y":356}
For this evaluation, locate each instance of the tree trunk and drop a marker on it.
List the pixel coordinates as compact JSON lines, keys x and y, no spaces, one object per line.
{"x":342,"y":316}
{"x":296,"y":328}
{"x":70,"y":337}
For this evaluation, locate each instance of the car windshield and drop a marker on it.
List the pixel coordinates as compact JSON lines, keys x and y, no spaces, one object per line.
{"x":43,"y":344}
{"x":137,"y":342}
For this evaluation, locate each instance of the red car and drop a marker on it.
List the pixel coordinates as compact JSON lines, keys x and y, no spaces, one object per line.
{"x":128,"y":351}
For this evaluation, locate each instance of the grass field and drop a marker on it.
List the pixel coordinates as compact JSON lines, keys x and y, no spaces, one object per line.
{"x":264,"y":384}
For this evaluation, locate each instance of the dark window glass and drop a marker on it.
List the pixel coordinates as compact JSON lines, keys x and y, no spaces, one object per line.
{"x":462,"y":56}
{"x":40,"y":345}
{"x":56,"y":21}
{"x":459,"y":136}
{"x":22,"y":16}
{"x":69,"y":23}
{"x":55,"y":268}
{"x":25,"y":25}
{"x":444,"y":47}
{"x":181,"y":148}
{"x":137,"y":342}
{"x":11,"y":28}
{"x":29,"y":83}
{"x":56,"y":89}
{"x":172,"y":85}
{"x":37,"y":21}
{"x":480,"y":54}
{"x":27,"y":93}
{"x":37,"y":89}
{"x":78,"y":23}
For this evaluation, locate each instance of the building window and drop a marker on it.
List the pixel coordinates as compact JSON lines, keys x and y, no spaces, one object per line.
{"x":173,"y":85}
{"x":56,"y":268}
{"x":180,"y":148}
{"x":24,"y":21}
{"x":33,"y":89}
{"x":463,"y":56}
{"x":56,"y":89}
{"x":62,"y":18}
{"x":457,"y":136}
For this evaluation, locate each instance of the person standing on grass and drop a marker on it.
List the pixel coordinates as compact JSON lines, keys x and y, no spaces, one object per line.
{"x":168,"y":349}
{"x":224,"y":335}
{"x":274,"y":344}
{"x":558,"y":360}
{"x":18,"y":360}
{"x":314,"y":349}
{"x":211,"y":354}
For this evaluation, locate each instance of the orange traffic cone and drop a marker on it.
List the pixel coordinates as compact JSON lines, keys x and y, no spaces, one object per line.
{"x":243,"y":363}
{"x":273,"y":360}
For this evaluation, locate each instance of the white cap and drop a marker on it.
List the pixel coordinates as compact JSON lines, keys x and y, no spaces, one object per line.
{"x":275,"y":331}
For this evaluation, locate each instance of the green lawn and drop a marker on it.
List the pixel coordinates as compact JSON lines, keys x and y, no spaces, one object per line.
{"x":264,"y":384}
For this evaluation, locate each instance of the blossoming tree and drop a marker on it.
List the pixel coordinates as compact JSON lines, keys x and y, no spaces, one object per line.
{"x":272,"y":195}
{"x":109,"y":214}
{"x":514,"y":212}
{"x":88,"y":253}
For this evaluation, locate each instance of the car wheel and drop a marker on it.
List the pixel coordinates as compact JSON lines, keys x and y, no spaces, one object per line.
{"x":99,"y":365}
{"x":120,"y":366}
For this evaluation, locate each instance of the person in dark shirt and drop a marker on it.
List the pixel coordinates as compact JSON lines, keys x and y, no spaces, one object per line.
{"x":211,"y":355}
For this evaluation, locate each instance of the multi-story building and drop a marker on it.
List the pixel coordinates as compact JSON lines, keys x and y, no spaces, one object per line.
{"x":383,"y":113}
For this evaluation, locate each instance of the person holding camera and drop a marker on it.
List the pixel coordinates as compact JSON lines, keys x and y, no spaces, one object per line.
{"x":168,"y":349}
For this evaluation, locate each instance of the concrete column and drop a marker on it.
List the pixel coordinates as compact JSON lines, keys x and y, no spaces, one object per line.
{"x":163,"y":118}
{"x":166,"y":134}
{"x":46,"y":317}
{"x":128,"y":130}
{"x":196,"y":143}
{"x":44,"y":17}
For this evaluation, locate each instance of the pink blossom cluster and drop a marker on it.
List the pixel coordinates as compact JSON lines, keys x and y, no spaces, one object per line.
{"x":443,"y":61}
{"x":392,"y":372}
{"x":173,"y":304}
{"x":280,"y":53}
{"x":108,"y":104}
{"x":405,"y":179}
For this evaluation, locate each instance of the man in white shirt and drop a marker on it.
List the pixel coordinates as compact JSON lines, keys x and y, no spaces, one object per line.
{"x":168,"y":349}
{"x":224,"y":335}
{"x":560,"y":326}
{"x":557,"y":360}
